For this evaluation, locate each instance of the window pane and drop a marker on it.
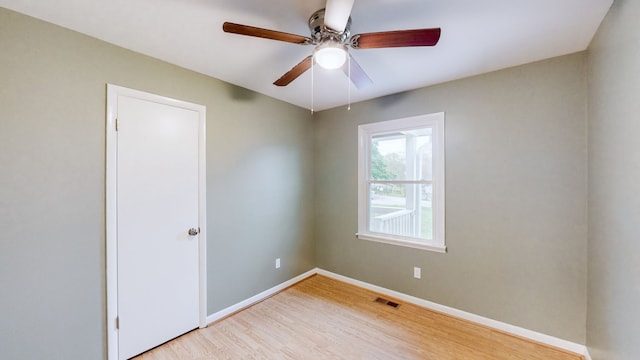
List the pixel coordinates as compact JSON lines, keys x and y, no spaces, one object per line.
{"x":401,"y":209}
{"x":401,"y":155}
{"x":426,"y":211}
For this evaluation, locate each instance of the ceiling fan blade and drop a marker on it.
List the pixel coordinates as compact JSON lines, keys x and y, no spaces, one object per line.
{"x":400,"y":38}
{"x":358,"y":77}
{"x":336,"y":14}
{"x":265,"y":33}
{"x":296,"y":71}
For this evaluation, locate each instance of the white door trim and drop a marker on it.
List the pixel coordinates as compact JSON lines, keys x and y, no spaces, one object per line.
{"x":113,"y":91}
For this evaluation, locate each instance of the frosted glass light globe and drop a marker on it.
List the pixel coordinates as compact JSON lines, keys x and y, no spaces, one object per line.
{"x":330,"y":54}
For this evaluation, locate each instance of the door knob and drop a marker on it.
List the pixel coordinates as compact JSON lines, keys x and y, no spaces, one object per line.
{"x":194,"y":231}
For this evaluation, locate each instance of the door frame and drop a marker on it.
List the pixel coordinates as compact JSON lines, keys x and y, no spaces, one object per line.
{"x":113,"y":91}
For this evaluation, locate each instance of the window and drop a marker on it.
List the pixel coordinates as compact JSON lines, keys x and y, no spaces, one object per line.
{"x":401,"y":182}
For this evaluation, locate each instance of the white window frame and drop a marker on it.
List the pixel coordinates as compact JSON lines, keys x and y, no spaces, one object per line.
{"x":365,"y":133}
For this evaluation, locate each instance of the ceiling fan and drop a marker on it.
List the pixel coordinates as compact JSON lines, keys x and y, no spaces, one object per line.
{"x":330,"y":30}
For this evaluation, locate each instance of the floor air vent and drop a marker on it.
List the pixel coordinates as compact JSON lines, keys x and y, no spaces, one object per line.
{"x":387,"y":302}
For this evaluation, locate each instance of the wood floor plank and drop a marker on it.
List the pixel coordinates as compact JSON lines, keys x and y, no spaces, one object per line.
{"x":323,"y":318}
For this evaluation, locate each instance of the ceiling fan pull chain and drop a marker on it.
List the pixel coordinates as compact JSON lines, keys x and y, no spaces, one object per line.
{"x":313,"y":60}
{"x":349,"y":82}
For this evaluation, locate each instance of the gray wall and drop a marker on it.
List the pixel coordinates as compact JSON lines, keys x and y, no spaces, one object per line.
{"x":516,"y":190}
{"x":516,"y":202}
{"x":613,"y":330}
{"x":52,"y":169}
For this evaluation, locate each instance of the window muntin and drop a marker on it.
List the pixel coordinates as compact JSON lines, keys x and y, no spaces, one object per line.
{"x":401,"y":182}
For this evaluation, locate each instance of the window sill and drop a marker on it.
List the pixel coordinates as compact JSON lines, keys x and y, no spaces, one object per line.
{"x":402,"y":242}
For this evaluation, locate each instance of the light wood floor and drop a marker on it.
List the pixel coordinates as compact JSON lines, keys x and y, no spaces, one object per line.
{"x":322,"y":318}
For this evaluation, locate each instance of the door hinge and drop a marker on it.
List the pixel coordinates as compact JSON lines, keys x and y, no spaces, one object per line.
{"x":117,"y":322}
{"x":117,"y":124}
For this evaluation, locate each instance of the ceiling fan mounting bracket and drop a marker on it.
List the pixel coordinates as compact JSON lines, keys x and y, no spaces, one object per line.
{"x":321,"y":33}
{"x":354,"y":41}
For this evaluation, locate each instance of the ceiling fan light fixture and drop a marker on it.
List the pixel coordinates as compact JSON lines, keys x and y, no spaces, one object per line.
{"x":330,"y":55}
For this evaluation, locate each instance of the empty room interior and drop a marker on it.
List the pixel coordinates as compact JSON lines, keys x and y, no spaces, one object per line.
{"x":540,"y":166}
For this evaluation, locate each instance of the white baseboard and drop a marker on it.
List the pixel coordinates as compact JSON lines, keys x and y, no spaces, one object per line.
{"x":257,"y":298}
{"x":498,"y":325}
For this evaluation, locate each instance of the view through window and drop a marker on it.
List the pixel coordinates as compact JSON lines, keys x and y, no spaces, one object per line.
{"x":400,"y":184}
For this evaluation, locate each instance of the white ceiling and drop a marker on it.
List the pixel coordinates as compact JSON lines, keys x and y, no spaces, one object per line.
{"x":478,"y":36}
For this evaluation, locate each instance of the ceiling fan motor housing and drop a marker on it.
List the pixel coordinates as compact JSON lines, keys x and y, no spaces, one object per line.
{"x":320,"y":33}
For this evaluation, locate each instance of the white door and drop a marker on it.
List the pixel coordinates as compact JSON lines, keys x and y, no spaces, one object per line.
{"x":158,"y":222}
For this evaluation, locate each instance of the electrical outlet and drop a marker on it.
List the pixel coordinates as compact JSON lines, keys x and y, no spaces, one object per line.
{"x":417,"y":272}
{"x":278,"y":263}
